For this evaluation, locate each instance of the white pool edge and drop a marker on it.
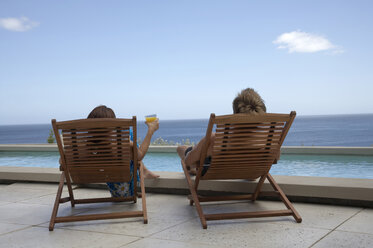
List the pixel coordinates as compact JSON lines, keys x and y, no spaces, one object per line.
{"x":344,"y":191}
{"x":338,"y":191}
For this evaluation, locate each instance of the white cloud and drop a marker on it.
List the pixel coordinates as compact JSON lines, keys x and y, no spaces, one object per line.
{"x":17,"y":24}
{"x":302,"y":42}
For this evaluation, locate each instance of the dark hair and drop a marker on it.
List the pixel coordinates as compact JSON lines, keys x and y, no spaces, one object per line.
{"x":248,"y":101}
{"x":101,"y":112}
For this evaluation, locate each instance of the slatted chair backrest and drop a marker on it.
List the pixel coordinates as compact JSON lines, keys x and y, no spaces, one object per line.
{"x":245,"y":145}
{"x":96,"y":150}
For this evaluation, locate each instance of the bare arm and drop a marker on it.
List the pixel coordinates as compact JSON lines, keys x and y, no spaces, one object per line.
{"x":152,"y":127}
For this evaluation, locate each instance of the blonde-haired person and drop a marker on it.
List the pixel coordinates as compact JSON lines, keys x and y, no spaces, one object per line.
{"x":248,"y":101}
{"x":123,"y":189}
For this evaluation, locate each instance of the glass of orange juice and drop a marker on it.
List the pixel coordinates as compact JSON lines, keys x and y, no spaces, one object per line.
{"x":150,"y":118}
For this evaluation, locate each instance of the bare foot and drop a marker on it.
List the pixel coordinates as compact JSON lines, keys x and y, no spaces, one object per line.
{"x":150,"y":175}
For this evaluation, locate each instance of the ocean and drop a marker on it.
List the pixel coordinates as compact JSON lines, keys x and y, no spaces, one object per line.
{"x":331,"y":130}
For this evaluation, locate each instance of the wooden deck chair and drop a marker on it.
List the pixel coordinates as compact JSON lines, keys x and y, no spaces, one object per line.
{"x":245,"y":147}
{"x":97,"y":151}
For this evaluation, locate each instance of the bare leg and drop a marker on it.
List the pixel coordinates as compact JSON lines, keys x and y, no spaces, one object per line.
{"x":181,"y":152}
{"x":193,"y":157}
{"x":148,"y":174}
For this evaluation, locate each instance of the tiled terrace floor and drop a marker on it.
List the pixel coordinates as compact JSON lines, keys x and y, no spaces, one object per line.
{"x":25,"y":211}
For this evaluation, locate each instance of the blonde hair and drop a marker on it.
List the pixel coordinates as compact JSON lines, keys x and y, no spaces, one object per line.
{"x":248,"y":101}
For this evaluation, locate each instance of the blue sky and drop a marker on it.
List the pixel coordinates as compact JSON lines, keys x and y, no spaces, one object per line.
{"x":182,"y":59}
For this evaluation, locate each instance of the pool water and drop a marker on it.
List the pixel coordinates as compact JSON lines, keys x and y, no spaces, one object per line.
{"x":291,"y":165}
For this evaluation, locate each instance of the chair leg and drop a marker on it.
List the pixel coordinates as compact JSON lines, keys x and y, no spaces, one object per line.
{"x":57,"y":202}
{"x":284,"y":199}
{"x":143,"y":198}
{"x":258,"y":187}
{"x":70,"y":189}
{"x":194,"y":197}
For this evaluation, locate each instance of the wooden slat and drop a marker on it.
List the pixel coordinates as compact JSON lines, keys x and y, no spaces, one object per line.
{"x":98,"y":170}
{"x":242,"y":215}
{"x":102,"y":150}
{"x":222,"y":198}
{"x":96,"y":143}
{"x":96,"y":174}
{"x":246,"y":137}
{"x":232,"y":149}
{"x":222,"y":151}
{"x":248,"y":147}
{"x":104,"y":199}
{"x":244,"y":155}
{"x":245,"y":118}
{"x":232,"y":163}
{"x":88,"y":217}
{"x":234,"y":159}
{"x":237,"y":168}
{"x":223,"y":140}
{"x":85,"y":156}
{"x":221,"y":169}
{"x":96,"y":163}
{"x":94,"y":154}
{"x":93,"y":135}
{"x":249,"y":174}
{"x":65,"y":199}
{"x":97,"y":166}
{"x":223,"y":145}
{"x":241,"y":135}
{"x":251,"y":124}
{"x":90,"y":146}
{"x":91,"y":131}
{"x":248,"y":129}
{"x":96,"y":139}
{"x":241,"y":160}
{"x":252,"y":144}
{"x":95,"y":123}
{"x":237,"y":152}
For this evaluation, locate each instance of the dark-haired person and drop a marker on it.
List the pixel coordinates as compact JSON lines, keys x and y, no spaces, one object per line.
{"x":123,"y":189}
{"x":248,"y":101}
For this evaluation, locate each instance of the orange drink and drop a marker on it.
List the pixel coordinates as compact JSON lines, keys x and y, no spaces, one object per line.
{"x":150,"y":118}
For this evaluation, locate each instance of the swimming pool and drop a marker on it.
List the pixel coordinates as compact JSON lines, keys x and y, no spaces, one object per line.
{"x":347,"y":166}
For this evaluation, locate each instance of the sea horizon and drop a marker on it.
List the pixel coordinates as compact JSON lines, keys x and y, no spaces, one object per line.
{"x":196,"y":119}
{"x":322,"y":130}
